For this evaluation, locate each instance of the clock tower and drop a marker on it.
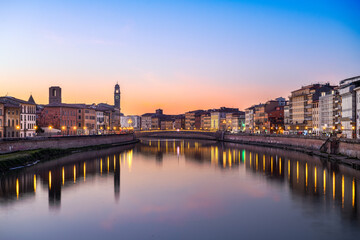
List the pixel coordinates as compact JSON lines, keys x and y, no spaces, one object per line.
{"x":117,"y":96}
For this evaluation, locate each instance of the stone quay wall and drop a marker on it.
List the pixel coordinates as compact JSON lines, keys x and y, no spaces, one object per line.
{"x":13,"y":145}
{"x":346,"y":147}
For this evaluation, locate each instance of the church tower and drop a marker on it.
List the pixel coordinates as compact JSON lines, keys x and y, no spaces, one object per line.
{"x":117,"y":96}
{"x":54,"y":95}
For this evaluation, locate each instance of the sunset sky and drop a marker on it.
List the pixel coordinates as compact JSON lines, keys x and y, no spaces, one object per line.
{"x":175,"y":55}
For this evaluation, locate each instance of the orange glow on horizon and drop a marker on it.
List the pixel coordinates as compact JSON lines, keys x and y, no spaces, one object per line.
{"x":135,"y":100}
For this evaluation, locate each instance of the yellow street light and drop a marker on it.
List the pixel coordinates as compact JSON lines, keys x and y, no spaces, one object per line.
{"x":50,"y":127}
{"x":63,"y":127}
{"x":18,"y":127}
{"x":35,"y":127}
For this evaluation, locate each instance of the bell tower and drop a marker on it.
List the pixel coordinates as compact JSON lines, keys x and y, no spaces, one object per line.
{"x":117,"y":96}
{"x":54,"y":95}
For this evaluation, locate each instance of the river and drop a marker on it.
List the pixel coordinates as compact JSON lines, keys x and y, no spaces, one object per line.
{"x":181,"y":189}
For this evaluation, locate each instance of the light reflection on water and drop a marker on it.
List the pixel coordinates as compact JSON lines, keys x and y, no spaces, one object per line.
{"x":176,"y":189}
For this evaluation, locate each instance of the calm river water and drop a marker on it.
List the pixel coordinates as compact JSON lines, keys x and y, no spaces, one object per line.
{"x":179,"y":189}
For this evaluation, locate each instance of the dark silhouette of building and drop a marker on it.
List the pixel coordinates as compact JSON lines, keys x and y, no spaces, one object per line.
{"x":117,"y":96}
{"x":54,"y":95}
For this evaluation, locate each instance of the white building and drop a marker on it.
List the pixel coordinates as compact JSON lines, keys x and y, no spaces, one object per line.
{"x":327,"y":112}
{"x":131,"y":121}
{"x":357,"y":129}
{"x":100,"y":122}
{"x":316,"y":128}
{"x":249,"y":119}
{"x":348,"y":106}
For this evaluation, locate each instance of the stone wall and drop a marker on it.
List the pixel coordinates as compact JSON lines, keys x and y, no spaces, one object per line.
{"x":349,"y":148}
{"x":277,"y":140}
{"x":179,"y":134}
{"x":345,"y":147}
{"x":7,"y":146}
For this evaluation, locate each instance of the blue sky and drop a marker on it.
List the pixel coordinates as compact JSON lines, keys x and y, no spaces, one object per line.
{"x":178,"y":55}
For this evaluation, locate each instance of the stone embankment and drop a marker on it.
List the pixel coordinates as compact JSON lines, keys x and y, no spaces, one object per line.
{"x":333,"y":148}
{"x":66,"y":142}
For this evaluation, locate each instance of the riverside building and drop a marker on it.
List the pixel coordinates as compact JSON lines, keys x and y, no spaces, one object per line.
{"x":300,"y":107}
{"x":348,"y":106}
{"x":27,"y":115}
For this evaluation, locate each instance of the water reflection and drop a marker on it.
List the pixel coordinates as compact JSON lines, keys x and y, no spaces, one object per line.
{"x":15,"y":186}
{"x":308,"y":179}
{"x":301,"y":175}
